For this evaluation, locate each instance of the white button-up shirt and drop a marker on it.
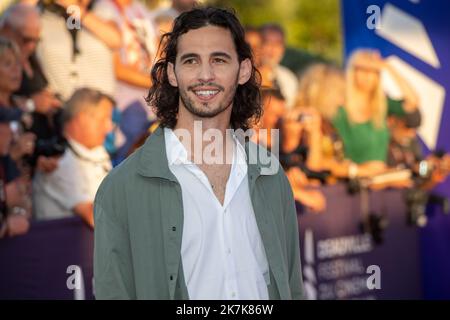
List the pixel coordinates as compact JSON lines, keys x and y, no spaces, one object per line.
{"x":76,"y":180}
{"x":222,"y":252}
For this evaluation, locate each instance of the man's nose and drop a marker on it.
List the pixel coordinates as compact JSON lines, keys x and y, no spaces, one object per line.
{"x":206,"y":73}
{"x":109,"y":126}
{"x":30,"y":48}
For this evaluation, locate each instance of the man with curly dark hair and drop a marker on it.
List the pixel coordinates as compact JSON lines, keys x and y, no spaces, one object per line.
{"x":195,"y":213}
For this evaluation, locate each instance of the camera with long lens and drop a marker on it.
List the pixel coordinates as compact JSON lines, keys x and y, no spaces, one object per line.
{"x":353,"y":186}
{"x":372,"y":223}
{"x":417,"y":199}
{"x":55,"y":146}
{"x":320,"y":176}
{"x":52,"y":147}
{"x":416,"y":204}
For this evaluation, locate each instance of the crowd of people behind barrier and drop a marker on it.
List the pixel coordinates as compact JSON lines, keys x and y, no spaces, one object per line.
{"x":72,"y":105}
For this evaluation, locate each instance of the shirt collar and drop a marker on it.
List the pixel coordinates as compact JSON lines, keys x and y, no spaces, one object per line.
{"x":152,"y":159}
{"x":240,"y":156}
{"x":176,"y":152}
{"x":95,"y":154}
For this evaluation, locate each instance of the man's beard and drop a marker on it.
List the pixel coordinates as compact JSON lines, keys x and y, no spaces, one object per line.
{"x":205,"y":113}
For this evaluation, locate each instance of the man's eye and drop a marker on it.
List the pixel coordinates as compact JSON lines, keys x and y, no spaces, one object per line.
{"x":219,"y":60}
{"x":189,"y":61}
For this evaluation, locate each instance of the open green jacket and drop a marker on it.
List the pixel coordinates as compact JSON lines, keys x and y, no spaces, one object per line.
{"x":138,"y":215}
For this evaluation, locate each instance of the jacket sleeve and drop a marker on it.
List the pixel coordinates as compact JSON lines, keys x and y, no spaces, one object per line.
{"x":292,"y":240}
{"x":113,"y":270}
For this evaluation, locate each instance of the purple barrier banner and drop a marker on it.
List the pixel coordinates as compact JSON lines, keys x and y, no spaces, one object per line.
{"x":414,"y":37}
{"x":52,"y":261}
{"x":339,"y":261}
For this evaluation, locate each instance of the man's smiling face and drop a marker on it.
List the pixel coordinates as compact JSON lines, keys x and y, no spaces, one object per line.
{"x":207,"y":71}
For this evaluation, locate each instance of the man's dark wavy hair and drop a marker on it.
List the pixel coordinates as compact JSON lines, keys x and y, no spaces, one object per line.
{"x":163,"y":97}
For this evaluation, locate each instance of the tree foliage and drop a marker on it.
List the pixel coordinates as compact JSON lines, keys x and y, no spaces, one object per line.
{"x":311,"y":25}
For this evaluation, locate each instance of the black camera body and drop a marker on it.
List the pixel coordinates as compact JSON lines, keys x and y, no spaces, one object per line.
{"x":52,"y":147}
{"x":416,"y":201}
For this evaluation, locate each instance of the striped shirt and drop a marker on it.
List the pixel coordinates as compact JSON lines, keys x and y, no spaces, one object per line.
{"x":92,"y":67}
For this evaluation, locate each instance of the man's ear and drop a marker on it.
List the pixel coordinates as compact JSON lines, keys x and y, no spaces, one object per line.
{"x":171,"y":74}
{"x":245,"y":71}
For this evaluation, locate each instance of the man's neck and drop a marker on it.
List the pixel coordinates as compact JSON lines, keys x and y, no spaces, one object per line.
{"x":196,"y":127}
{"x":71,"y":136}
{"x":73,"y":139}
{"x":205,"y":125}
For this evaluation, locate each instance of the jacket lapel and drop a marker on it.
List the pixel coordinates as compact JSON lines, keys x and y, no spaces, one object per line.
{"x":153,"y":164}
{"x":260,"y":164}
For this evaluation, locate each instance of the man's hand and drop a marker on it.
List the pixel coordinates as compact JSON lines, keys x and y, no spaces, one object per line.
{"x":442,"y":168}
{"x":45,"y":101}
{"x":371,"y":168}
{"x":314,"y":200}
{"x":47,"y":164}
{"x":17,"y":225}
{"x":23,"y":146}
{"x":86,"y":211}
{"x":402,"y":184}
{"x":296,"y":177}
{"x":18,"y":194}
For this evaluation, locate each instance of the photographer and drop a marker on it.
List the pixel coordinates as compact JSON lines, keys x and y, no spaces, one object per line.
{"x":274,"y":108}
{"x":10,"y":77}
{"x":21,"y":24}
{"x":272,"y":119}
{"x":321,"y":92}
{"x":300,"y":154}
{"x":406,"y":152}
{"x":14,"y":146}
{"x":427,"y":172}
{"x":70,"y":189}
{"x":38,"y":107}
{"x":273,"y":48}
{"x":15,"y":197}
